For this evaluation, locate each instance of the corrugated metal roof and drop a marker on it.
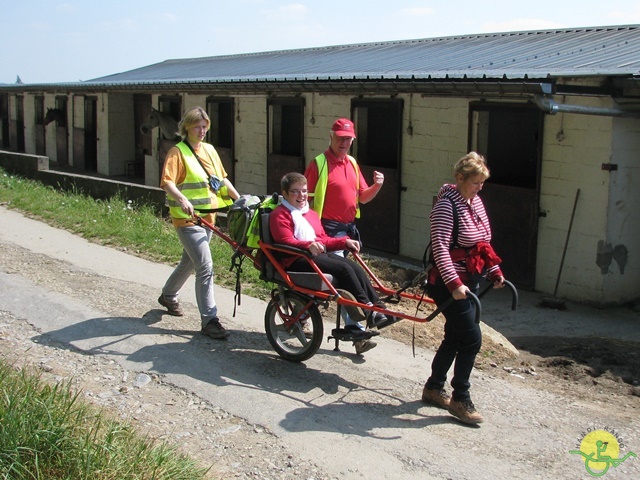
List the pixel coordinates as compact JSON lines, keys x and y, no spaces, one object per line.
{"x":609,"y":50}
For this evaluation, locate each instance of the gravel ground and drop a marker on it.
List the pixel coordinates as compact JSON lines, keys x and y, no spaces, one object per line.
{"x":600,"y":374}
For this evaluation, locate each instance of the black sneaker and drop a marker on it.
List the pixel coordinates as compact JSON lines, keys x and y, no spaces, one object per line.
{"x":215,"y":330}
{"x":377,"y":318}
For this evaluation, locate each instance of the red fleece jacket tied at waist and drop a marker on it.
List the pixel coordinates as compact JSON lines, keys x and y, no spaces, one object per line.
{"x":482,"y":257}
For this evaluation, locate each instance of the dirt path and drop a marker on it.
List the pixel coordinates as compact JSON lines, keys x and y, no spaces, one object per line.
{"x":537,"y":405}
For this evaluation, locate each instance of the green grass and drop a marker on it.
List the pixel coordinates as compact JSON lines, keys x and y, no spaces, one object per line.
{"x":48,"y":433}
{"x":120,"y":223}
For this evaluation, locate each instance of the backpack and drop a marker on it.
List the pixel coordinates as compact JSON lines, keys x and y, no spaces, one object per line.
{"x":427,"y":258}
{"x":243,"y":224}
{"x":240,"y":215}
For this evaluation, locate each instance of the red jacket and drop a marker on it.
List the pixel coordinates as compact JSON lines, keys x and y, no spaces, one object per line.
{"x":282,"y":227}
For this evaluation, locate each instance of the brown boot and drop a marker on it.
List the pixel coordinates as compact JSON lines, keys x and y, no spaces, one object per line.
{"x":364,"y":346}
{"x":436,"y":396}
{"x":215,"y":330}
{"x":173,"y":308}
{"x":465,"y":411}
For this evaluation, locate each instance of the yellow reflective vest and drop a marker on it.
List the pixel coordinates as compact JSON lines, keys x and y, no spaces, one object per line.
{"x":196,"y":186}
{"x":323,"y":180}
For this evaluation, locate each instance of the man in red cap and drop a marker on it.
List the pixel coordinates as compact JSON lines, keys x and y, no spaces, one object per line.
{"x":336,"y":189}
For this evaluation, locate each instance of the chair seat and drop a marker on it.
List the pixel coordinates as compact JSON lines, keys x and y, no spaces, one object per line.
{"x":310,"y":280}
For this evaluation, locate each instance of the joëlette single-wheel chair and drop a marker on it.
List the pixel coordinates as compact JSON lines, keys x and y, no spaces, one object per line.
{"x":293,"y":322}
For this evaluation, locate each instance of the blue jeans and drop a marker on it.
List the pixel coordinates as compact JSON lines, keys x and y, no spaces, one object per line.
{"x":196,"y":255}
{"x":462,"y":342}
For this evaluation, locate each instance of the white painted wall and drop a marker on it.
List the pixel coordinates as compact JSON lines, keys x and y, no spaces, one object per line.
{"x":251,"y":144}
{"x":575,"y":147}
{"x":76,"y":121}
{"x":30,"y":124}
{"x":621,"y":280}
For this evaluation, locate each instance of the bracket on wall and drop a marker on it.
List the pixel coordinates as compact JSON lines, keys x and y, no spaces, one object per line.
{"x":609,"y":167}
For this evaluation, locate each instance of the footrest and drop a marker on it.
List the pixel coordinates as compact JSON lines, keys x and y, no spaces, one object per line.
{"x":352,"y":334}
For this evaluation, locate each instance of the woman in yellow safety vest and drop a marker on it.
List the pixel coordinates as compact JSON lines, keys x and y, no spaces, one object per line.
{"x":196,"y":184}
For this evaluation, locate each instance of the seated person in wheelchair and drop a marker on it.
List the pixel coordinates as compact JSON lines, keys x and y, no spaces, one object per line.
{"x":294,"y":223}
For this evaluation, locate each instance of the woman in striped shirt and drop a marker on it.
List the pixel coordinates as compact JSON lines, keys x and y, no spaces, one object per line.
{"x":462,"y":255}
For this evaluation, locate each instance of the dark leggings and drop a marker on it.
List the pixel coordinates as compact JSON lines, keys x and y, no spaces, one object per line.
{"x":350,"y":275}
{"x":462,"y":341}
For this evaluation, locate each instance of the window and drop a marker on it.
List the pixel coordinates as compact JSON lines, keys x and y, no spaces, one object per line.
{"x":286,"y":126}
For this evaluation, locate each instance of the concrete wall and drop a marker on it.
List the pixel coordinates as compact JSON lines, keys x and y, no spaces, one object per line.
{"x":76,"y":121}
{"x":251,"y":144}
{"x":29,"y":124}
{"x":617,"y":253}
{"x":438,"y":138}
{"x":103,"y":135}
{"x":23,"y":164}
{"x":36,"y":167}
{"x":574,"y":149}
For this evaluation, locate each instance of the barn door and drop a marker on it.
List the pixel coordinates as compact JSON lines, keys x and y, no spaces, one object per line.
{"x":143,"y":141}
{"x":221,"y":133}
{"x":378,"y":147}
{"x":16,"y":126}
{"x":41,"y":148}
{"x":285,"y":126}
{"x":77,"y":127}
{"x":510,"y":138}
{"x":4,"y":121}
{"x":171,"y":105}
{"x":62,"y":133}
{"x":91,"y":133}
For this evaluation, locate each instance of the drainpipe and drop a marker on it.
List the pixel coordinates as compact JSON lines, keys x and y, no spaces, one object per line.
{"x":548,"y":105}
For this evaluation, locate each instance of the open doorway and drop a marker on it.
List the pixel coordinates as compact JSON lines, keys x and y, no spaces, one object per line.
{"x":378,"y":147}
{"x":510,"y":138}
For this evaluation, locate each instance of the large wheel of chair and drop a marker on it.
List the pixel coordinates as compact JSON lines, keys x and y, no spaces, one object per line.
{"x":296,"y":343}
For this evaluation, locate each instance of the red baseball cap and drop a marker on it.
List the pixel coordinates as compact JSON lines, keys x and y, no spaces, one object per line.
{"x":344,"y":128}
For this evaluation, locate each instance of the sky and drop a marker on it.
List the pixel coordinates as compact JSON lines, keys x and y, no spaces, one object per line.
{"x":49,"y":41}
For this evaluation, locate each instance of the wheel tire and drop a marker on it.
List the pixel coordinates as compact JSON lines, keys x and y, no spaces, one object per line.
{"x":292,"y":344}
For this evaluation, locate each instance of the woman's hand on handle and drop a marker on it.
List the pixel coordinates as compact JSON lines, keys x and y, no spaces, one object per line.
{"x":353,"y":245}
{"x":460,"y":293}
{"x":498,"y":282}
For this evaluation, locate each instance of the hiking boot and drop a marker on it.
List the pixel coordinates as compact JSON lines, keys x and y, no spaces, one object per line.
{"x":465,"y":411}
{"x":213,"y":329}
{"x":436,"y":396}
{"x":173,"y":308}
{"x":364,"y":346}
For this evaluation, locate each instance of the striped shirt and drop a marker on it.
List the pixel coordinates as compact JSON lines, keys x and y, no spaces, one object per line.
{"x":473,"y":227}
